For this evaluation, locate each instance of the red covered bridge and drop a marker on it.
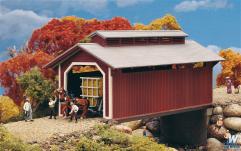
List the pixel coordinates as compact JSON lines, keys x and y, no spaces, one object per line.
{"x":144,"y":73}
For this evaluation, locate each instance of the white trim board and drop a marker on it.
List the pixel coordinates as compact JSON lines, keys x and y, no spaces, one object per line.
{"x":104,"y":81}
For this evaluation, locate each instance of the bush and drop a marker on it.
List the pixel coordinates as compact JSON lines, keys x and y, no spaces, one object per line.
{"x":109,"y":139}
{"x":8,"y":109}
{"x":8,"y":142}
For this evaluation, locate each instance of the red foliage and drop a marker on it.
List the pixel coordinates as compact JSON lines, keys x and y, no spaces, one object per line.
{"x":60,"y":34}
{"x":10,"y":69}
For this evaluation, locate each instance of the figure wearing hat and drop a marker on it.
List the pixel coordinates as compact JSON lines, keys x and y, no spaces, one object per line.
{"x":27,"y":110}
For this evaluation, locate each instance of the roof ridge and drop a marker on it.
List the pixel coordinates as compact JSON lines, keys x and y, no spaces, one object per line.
{"x":139,"y":30}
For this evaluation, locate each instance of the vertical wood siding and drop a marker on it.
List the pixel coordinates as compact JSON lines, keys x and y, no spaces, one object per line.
{"x":157,"y":91}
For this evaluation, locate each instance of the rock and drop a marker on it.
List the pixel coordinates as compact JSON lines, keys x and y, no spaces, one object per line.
{"x":233,"y":123}
{"x":214,"y":145}
{"x":133,"y":124}
{"x":233,"y":110}
{"x":217,"y":132}
{"x":218,"y":110}
{"x":214,"y":118}
{"x":122,"y":128}
{"x":171,"y":149}
{"x":153,"y":126}
{"x":138,"y":132}
{"x":147,"y":133}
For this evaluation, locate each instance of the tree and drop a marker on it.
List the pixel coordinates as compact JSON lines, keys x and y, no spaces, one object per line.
{"x":36,"y":86}
{"x":14,"y":67}
{"x":230,"y":67}
{"x":8,"y":109}
{"x":59,"y":35}
{"x":167,"y":22}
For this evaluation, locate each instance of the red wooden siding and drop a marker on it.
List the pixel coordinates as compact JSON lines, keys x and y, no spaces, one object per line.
{"x":82,"y":56}
{"x":157,"y":91}
{"x":137,"y":41}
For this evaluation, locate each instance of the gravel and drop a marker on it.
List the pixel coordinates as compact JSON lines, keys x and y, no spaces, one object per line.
{"x":220,"y":97}
{"x":43,"y":128}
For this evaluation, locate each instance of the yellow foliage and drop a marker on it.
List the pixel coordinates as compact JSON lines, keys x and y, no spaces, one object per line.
{"x":166,"y":22}
{"x":198,"y":65}
{"x":8,"y":109}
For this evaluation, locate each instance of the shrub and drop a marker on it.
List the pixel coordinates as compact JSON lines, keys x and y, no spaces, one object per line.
{"x":110,"y":140}
{"x":36,"y":86}
{"x":8,"y":142}
{"x":8,"y":109}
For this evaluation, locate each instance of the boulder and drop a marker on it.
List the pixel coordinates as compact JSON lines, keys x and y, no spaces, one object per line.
{"x":122,"y":128}
{"x":217,"y":132}
{"x":214,"y":145}
{"x":218,"y":110}
{"x":233,"y":123}
{"x":233,"y":110}
{"x":153,"y":126}
{"x":138,"y":132}
{"x":214,"y":118}
{"x":133,"y":124}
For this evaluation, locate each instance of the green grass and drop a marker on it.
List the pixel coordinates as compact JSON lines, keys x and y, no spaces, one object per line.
{"x":112,"y":140}
{"x":10,"y":143}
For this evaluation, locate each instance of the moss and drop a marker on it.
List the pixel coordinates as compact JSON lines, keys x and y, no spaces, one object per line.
{"x":9,"y":142}
{"x":112,"y":140}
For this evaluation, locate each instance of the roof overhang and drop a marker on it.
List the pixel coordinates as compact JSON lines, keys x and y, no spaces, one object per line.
{"x":141,"y":56}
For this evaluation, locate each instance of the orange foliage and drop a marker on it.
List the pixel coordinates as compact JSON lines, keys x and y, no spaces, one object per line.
{"x":231,"y":67}
{"x":60,"y":34}
{"x":16,"y":66}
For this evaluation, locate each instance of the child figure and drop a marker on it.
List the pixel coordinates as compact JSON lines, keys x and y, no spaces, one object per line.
{"x":52,"y":102}
{"x":73,"y":112}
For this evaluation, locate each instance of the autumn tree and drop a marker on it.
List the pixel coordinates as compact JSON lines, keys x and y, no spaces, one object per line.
{"x":14,"y":67}
{"x":230,"y":67}
{"x":60,"y":34}
{"x":168,"y":22}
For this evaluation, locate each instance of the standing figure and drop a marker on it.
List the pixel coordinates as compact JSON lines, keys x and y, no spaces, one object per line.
{"x":52,"y":102}
{"x":73,"y":112}
{"x":27,"y":110}
{"x":229,"y":85}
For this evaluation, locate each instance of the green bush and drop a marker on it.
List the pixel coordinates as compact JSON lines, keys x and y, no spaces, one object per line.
{"x":112,"y":140}
{"x":8,"y":142}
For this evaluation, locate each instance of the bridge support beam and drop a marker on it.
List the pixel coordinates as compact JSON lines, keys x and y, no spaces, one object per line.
{"x":189,"y":128}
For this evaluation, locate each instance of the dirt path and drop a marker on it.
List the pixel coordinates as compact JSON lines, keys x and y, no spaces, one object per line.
{"x":43,"y":128}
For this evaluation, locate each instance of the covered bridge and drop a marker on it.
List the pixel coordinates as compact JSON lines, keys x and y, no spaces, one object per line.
{"x":142,"y":73}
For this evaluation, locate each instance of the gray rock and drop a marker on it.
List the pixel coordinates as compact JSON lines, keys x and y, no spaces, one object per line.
{"x":218,"y":110}
{"x":233,"y":123}
{"x":233,"y":110}
{"x":153,"y":126}
{"x":214,"y":118}
{"x":214,"y":145}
